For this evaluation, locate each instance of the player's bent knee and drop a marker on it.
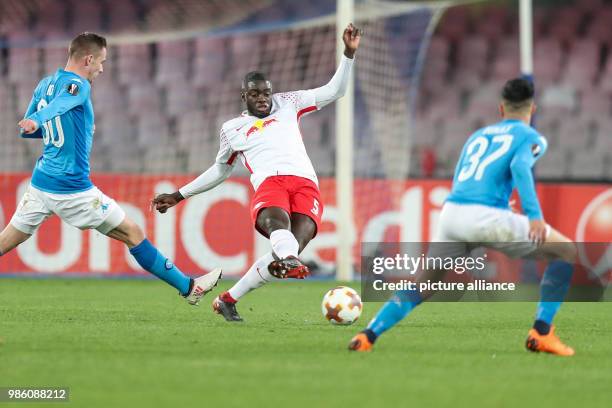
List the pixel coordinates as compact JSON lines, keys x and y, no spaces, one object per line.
{"x":568,"y":252}
{"x":273,"y":224}
{"x":561,"y":251}
{"x":128,"y":232}
{"x":135,"y":234}
{"x":272,"y":219}
{"x":561,"y":247}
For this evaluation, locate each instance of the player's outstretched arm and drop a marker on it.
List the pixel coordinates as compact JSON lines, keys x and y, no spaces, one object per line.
{"x":336,"y":87}
{"x":208,"y":180}
{"x":71,"y":96}
{"x":522,"y":176}
{"x":28,"y":128}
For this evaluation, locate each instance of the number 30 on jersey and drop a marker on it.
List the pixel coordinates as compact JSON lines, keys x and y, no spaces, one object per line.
{"x":48,"y":131}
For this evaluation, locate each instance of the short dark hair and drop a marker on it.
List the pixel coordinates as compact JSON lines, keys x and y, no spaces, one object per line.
{"x":253,"y":76}
{"x":86,"y":44}
{"x":518,"y":93}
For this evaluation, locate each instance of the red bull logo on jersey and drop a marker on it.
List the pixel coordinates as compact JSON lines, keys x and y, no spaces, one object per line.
{"x":259,"y":124}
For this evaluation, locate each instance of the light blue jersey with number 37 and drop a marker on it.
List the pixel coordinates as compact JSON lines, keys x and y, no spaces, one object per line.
{"x":495,"y":160}
{"x":62,"y":108}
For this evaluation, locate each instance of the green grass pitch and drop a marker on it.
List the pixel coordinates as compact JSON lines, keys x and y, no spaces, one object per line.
{"x":133,"y":343}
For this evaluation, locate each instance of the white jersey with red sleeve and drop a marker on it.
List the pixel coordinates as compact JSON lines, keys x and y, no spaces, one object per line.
{"x":271,"y":146}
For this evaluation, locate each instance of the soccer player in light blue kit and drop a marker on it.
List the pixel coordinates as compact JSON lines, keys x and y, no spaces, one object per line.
{"x":495,"y":160}
{"x":61,"y":114}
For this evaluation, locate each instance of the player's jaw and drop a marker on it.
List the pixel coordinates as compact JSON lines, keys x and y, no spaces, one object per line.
{"x":262,"y":108}
{"x":96,"y":66}
{"x":94,"y":72}
{"x":259,"y":108}
{"x":92,"y":76}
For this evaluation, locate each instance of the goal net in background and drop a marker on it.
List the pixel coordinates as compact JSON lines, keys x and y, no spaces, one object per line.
{"x":172,"y":78}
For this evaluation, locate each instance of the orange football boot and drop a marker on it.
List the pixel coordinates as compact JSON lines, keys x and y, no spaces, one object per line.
{"x":360,"y":343}
{"x":548,"y":343}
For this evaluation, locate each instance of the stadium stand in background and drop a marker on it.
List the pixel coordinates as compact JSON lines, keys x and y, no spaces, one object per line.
{"x":475,"y":53}
{"x":160,"y":104}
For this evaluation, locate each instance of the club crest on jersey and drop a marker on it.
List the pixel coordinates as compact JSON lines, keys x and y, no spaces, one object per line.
{"x":259,"y":124}
{"x":73,"y":89}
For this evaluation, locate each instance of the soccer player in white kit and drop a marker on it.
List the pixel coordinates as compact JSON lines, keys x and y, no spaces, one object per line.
{"x":286,"y":207}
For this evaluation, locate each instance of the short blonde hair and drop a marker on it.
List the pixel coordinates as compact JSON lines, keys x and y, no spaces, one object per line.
{"x":86,"y":44}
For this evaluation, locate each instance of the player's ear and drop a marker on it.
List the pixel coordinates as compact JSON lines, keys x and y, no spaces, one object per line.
{"x":243,"y":96}
{"x":501,"y":109}
{"x":89,"y":59}
{"x":534,"y":108}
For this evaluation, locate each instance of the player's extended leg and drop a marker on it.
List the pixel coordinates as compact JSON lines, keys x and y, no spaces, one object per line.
{"x":561,"y":252}
{"x":403,"y":302}
{"x":256,"y":276}
{"x":276,"y":223}
{"x":154,"y":262}
{"x":303,"y":229}
{"x":10,"y":238}
{"x":31,"y":212}
{"x":394,"y":311}
{"x":268,"y":221}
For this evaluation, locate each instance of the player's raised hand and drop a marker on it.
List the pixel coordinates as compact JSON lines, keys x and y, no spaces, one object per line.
{"x":537,"y":231}
{"x":165,"y":201}
{"x":351,"y":37}
{"x":29,"y":126}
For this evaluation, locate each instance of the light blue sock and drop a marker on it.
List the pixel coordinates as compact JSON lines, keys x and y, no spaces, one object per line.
{"x":396,"y":308}
{"x":153,"y":261}
{"x":553,"y":288}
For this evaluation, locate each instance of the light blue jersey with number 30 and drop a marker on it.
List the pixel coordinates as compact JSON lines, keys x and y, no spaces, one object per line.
{"x":496,"y":159}
{"x":62,"y":108}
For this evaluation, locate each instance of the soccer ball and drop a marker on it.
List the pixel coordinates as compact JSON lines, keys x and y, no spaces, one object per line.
{"x":341,"y":305}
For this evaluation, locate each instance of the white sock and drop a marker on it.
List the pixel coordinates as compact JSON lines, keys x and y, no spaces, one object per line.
{"x":284,"y":243}
{"x":256,"y":276}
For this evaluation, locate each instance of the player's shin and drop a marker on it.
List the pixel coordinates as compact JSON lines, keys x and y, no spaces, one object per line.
{"x":256,"y":276}
{"x":396,"y":309}
{"x":284,"y":243}
{"x":553,"y":288}
{"x":156,"y":263}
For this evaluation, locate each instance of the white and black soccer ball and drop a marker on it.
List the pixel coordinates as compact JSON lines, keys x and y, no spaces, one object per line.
{"x":341,"y":305}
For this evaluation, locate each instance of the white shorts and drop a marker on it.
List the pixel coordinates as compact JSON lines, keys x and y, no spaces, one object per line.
{"x":90,"y":209}
{"x":469,"y":226}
